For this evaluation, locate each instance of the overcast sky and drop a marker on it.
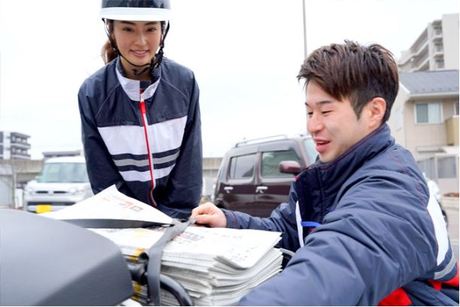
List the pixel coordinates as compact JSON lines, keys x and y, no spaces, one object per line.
{"x":245,"y":55}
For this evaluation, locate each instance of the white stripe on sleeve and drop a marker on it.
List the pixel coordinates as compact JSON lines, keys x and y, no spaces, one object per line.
{"x":298,"y":219}
{"x":440,"y":228}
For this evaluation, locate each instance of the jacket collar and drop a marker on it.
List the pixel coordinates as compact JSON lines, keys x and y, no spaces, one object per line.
{"x":351,"y":160}
{"x":319,"y":184}
{"x":131,"y":87}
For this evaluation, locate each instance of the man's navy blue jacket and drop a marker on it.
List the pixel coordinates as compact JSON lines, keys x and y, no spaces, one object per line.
{"x":114,"y":135}
{"x":378,"y":233}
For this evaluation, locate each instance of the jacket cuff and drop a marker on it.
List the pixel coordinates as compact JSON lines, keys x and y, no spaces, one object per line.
{"x":232,"y":221}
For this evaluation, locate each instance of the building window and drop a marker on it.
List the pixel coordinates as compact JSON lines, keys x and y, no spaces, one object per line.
{"x":428,"y":113}
{"x":440,"y":64}
{"x":438,"y":47}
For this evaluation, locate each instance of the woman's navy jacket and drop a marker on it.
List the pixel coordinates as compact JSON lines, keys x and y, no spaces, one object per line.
{"x":114,"y":135}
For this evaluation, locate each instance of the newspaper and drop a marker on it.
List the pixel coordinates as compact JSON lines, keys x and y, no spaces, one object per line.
{"x":111,"y":204}
{"x":216,"y":266}
{"x":236,"y":248}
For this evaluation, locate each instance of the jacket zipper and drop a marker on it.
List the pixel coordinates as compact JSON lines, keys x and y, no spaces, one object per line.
{"x":142,"y":108}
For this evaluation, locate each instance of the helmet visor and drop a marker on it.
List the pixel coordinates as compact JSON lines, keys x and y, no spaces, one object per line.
{"x":135,"y":14}
{"x":136,"y":10}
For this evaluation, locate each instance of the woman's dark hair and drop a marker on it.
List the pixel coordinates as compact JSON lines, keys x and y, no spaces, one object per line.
{"x":354,"y":71}
{"x":108,"y":51}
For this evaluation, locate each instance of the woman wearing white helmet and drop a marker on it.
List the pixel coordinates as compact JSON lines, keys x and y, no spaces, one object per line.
{"x":141,"y":126}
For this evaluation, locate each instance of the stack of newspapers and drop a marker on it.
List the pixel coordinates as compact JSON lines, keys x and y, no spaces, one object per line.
{"x":216,"y":266}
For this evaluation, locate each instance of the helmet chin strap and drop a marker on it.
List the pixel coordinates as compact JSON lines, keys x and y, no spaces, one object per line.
{"x":136,"y":71}
{"x":156,"y":61}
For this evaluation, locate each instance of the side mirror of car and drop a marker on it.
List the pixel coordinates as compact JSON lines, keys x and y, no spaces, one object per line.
{"x":290,"y":167}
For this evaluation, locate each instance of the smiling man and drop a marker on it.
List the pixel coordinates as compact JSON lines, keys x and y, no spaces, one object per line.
{"x":361,"y":222}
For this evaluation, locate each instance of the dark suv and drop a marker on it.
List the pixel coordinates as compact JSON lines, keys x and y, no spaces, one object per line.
{"x":255,"y":175}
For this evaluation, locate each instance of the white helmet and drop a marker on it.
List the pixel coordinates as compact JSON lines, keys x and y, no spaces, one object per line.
{"x":136,"y":10}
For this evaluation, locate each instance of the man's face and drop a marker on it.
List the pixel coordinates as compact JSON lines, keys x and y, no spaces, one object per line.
{"x":333,"y":124}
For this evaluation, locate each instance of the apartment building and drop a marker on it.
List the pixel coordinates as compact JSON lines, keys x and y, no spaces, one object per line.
{"x":435,"y":49}
{"x":425,"y":113}
{"x":425,"y":120}
{"x":14,"y":146}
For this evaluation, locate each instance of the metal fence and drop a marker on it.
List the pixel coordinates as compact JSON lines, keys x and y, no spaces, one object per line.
{"x":442,"y":168}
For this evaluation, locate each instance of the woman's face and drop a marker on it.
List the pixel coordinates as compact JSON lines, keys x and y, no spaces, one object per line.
{"x":137,"y":41}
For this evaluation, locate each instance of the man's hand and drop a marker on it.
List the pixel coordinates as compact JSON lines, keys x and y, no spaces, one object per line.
{"x":208,"y":214}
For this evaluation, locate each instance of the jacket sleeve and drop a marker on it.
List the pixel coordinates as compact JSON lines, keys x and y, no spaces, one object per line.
{"x":378,"y":238}
{"x":101,"y":170}
{"x":282,"y":219}
{"x":184,"y":187}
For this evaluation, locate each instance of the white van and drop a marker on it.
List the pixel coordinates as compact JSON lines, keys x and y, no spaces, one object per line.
{"x":62,"y":182}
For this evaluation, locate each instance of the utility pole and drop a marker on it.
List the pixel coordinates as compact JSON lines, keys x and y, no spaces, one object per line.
{"x":305,"y":53}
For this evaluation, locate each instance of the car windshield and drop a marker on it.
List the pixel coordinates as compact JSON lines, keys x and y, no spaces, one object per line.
{"x":63,"y":172}
{"x":310,"y":150}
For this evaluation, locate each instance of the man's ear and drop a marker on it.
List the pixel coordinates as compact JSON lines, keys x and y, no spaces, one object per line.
{"x":376,"y":111}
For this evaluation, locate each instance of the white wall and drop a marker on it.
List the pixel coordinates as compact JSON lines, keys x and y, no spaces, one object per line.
{"x":450,"y":26}
{"x":6,"y":193}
